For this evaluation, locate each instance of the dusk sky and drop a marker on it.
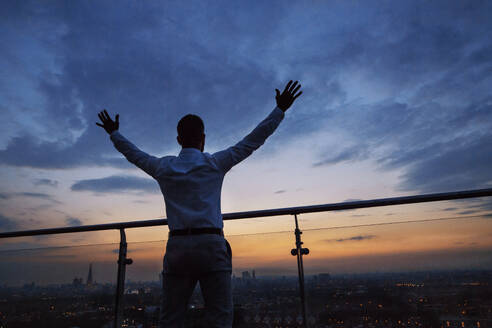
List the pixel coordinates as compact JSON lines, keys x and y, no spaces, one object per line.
{"x":396,"y":101}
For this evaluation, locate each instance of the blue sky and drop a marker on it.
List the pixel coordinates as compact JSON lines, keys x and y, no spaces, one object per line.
{"x":397,"y":100}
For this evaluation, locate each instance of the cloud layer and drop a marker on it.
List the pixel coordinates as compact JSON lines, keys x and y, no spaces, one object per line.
{"x":7,"y":224}
{"x":45,"y":182}
{"x":116,"y":184}
{"x":73,"y":222}
{"x":418,"y":88}
{"x":353,"y":238}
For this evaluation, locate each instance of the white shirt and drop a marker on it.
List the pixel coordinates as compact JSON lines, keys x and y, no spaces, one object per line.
{"x":191,"y":182}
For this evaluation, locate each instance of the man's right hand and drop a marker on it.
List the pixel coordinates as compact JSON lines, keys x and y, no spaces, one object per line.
{"x":109,"y":124}
{"x":286,"y":99}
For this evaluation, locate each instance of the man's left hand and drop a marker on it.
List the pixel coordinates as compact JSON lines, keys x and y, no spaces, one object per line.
{"x":109,"y":124}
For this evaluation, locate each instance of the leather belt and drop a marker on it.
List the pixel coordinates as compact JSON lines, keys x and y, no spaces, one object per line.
{"x":196,"y":231}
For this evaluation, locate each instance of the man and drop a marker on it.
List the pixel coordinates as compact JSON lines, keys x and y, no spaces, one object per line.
{"x":191,"y":185}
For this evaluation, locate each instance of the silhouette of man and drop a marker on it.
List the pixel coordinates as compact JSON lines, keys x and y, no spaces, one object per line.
{"x":191,"y":184}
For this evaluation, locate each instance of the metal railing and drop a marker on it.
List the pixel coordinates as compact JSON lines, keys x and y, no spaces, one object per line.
{"x":294,"y":211}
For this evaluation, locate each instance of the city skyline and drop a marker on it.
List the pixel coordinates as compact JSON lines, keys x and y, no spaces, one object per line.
{"x":429,"y":299}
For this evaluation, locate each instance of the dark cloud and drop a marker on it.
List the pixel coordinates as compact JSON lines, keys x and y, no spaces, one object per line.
{"x":116,"y":183}
{"x":280,"y":191}
{"x":437,"y":130}
{"x":168,"y":71}
{"x":484,"y":203}
{"x":466,"y":243}
{"x":7,"y":223}
{"x":468,"y":212}
{"x":354,"y":238}
{"x":18,"y":245}
{"x":440,"y":149}
{"x":45,"y":182}
{"x":37,"y":195}
{"x":72,"y":222}
{"x":55,"y":257}
{"x":353,"y":153}
{"x":117,"y":250}
{"x":34,"y":195}
{"x":460,"y":164}
{"x":27,"y":151}
{"x":4,"y":196}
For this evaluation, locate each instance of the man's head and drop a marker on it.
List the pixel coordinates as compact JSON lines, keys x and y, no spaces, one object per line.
{"x":190,"y":132}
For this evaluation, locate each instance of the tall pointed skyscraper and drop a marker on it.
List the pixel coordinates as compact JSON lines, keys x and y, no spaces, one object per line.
{"x":89,"y":276}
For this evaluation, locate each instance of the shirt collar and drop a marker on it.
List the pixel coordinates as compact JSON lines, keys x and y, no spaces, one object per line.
{"x":190,"y":150}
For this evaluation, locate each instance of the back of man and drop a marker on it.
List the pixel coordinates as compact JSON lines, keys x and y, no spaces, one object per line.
{"x":191,"y":185}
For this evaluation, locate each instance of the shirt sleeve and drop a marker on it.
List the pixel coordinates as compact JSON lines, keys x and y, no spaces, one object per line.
{"x":144,"y":161}
{"x":231,"y":156}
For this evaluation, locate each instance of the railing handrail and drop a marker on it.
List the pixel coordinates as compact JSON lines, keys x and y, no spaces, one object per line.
{"x":269,"y":212}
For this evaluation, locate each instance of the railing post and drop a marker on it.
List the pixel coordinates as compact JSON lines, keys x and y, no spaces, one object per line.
{"x":299,"y":252}
{"x":120,"y":284}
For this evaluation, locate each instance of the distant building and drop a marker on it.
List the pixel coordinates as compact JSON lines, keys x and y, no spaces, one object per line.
{"x":29,"y":286}
{"x":77,"y":282}
{"x":324,"y":278}
{"x":89,"y":276}
{"x":246,"y":275}
{"x":254,"y":274}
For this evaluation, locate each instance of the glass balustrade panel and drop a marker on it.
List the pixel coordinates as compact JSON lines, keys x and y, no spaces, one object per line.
{"x":382,"y":267}
{"x":71,"y":286}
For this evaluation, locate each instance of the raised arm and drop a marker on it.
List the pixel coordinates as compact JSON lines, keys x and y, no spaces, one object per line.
{"x":231,"y":156}
{"x":144,"y":161}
